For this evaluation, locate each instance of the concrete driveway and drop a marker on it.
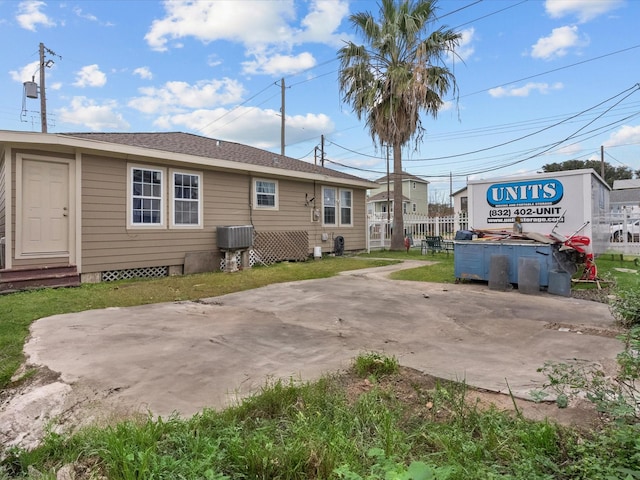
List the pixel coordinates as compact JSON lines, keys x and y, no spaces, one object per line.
{"x":184,"y":356}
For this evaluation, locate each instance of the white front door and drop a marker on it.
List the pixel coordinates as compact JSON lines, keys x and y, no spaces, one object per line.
{"x":45,"y":207}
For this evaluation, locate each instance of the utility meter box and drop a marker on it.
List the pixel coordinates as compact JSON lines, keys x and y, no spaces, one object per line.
{"x":569,"y":198}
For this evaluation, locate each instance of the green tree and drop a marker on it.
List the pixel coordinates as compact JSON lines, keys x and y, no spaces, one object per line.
{"x":611,"y":173}
{"x":395,"y":75}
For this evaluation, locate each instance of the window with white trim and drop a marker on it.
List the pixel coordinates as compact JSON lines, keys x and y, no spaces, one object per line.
{"x":147,"y":197}
{"x":187,"y":199}
{"x":345,"y":207}
{"x":265,"y":194}
{"x":337,"y":206}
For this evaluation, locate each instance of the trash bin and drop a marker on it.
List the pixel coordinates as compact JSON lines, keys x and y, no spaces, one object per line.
{"x":338,"y":245}
{"x":559,"y":283}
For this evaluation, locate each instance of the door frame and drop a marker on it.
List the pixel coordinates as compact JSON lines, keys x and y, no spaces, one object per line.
{"x":71,"y":234}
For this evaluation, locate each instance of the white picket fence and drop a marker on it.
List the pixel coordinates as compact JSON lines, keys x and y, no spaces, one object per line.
{"x":416,"y":227}
{"x":625,"y":233}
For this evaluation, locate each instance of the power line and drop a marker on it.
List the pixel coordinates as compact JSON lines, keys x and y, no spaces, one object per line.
{"x":553,"y":70}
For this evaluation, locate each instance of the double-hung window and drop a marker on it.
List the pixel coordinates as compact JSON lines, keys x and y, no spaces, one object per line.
{"x":265,"y":194}
{"x":152,"y":191}
{"x":187,"y":199}
{"x":147,"y":197}
{"x":345,"y":207}
{"x":337,"y":206}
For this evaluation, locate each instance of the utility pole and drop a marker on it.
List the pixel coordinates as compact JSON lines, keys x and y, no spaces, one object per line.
{"x":322,"y":150}
{"x":282,"y":111}
{"x":602,"y":161}
{"x":43,"y":98}
{"x":31,"y":88}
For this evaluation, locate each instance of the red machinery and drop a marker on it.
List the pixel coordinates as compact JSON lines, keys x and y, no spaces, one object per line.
{"x":575,"y":250}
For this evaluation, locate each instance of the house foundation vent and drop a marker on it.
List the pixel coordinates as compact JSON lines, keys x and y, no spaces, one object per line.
{"x":148,"y":272}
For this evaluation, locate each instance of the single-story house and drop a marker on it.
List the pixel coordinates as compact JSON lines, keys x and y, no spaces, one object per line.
{"x":460,"y":201}
{"x":102,"y":206}
{"x":625,"y":197}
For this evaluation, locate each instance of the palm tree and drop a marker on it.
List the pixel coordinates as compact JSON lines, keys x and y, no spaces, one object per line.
{"x":396,"y":74}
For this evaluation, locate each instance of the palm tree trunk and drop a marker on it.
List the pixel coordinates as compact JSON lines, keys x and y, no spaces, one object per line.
{"x":397,"y":236}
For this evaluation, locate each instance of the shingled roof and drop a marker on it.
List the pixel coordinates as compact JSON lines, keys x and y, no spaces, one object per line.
{"x":405,"y":176}
{"x":190,"y":144}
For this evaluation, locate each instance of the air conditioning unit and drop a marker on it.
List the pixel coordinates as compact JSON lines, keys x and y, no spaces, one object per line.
{"x":235,"y":237}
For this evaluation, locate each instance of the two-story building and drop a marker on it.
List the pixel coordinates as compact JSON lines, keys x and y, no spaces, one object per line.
{"x":415,"y":195}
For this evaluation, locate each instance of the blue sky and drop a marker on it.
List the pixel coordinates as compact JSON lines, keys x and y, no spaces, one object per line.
{"x":539,"y":81}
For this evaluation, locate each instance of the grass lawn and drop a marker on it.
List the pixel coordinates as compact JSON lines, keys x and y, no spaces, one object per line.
{"x":621,"y":272}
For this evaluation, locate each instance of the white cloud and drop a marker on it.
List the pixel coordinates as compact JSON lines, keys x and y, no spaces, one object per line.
{"x":250,"y":126}
{"x":143,"y":72}
{"x":557,"y":44}
{"x":570,"y":150}
{"x":584,"y":10}
{"x":213,"y":60}
{"x":87,"y":16}
{"x":322,"y":21}
{"x":178,"y":96}
{"x":542,"y":88}
{"x":248,"y":22}
{"x":465,"y":48}
{"x":279,"y":64}
{"x":627,"y":134}
{"x":90,"y":76}
{"x":29,"y":15}
{"x":86,"y":112}
{"x":26,"y":73}
{"x":268,"y":30}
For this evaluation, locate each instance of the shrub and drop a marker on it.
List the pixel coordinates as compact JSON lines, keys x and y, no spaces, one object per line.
{"x":626,"y":307}
{"x":617,"y":398}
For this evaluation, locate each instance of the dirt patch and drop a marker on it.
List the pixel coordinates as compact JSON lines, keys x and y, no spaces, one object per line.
{"x":415,"y":390}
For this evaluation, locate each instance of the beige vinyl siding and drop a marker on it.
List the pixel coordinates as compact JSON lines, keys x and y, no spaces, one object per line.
{"x":294,"y":214}
{"x":106,"y":242}
{"x":108,"y":245}
{"x":3,"y":191}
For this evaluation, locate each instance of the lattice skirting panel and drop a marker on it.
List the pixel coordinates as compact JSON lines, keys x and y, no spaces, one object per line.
{"x":148,"y":272}
{"x":273,"y":247}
